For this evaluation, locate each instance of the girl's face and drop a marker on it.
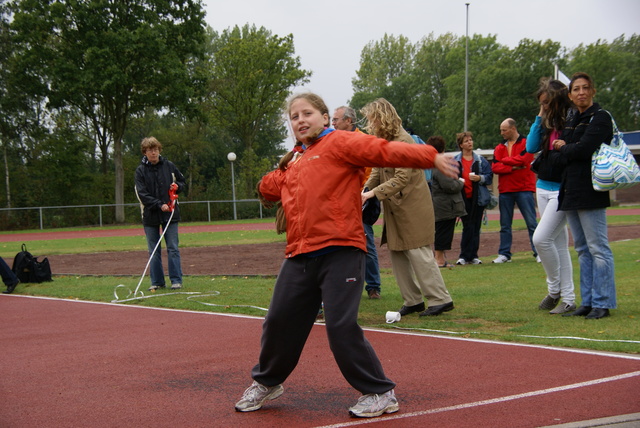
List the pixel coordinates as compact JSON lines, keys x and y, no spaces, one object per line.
{"x":544,"y":101}
{"x":307,"y":122}
{"x":582,"y":94}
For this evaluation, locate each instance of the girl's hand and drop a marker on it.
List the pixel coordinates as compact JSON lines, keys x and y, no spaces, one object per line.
{"x":447,"y":165}
{"x":558,"y":143}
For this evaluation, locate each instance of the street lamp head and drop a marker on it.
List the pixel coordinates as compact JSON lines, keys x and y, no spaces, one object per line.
{"x":231,"y":156}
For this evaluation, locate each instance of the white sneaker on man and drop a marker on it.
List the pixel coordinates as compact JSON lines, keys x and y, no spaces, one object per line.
{"x":502,"y":259}
{"x":461,"y":262}
{"x":476,"y":261}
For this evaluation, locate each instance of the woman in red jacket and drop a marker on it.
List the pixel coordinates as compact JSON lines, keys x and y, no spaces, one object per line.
{"x":325,"y":255}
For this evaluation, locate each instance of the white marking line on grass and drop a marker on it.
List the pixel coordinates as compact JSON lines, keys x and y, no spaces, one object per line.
{"x":376,"y":330}
{"x":485,"y":402}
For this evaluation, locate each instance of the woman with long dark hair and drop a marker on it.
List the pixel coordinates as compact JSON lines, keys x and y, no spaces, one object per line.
{"x":585,"y":207}
{"x":551,"y":237}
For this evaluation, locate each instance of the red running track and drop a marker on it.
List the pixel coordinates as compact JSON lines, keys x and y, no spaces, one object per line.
{"x":72,"y":363}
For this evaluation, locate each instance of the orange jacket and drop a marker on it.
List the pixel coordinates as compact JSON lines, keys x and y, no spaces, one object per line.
{"x":320,"y":193}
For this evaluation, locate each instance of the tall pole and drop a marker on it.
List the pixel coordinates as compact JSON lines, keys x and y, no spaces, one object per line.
{"x":232,"y":157}
{"x":466,"y":74}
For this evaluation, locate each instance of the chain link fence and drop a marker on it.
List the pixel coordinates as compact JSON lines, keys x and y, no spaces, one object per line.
{"x":104,"y":214}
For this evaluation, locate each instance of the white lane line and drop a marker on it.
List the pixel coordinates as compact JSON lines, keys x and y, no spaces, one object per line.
{"x":485,"y":402}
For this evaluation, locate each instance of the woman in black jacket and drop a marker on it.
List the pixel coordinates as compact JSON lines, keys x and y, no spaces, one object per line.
{"x":155,"y":176}
{"x":585,"y":207}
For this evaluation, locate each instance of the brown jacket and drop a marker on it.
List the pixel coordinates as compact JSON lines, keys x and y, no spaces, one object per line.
{"x":409,"y":221}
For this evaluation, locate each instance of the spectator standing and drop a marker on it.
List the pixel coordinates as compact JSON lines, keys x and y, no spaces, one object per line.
{"x":154,"y":177}
{"x":9,"y":278}
{"x":551,"y":237}
{"x":325,"y":255}
{"x":448,"y":205}
{"x":585,"y":207}
{"x":516,"y":184}
{"x":409,"y":222}
{"x":344,"y":119}
{"x":477,"y":175}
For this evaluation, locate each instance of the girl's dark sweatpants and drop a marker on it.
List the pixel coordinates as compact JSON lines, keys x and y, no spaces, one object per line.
{"x":335,"y":279}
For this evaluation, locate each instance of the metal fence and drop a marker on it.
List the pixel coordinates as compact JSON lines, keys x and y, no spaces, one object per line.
{"x":104,"y":214}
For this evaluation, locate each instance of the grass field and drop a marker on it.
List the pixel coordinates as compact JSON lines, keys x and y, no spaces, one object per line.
{"x":493,"y":302}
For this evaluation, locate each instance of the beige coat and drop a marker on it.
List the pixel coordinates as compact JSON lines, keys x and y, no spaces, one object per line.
{"x":409,"y":221}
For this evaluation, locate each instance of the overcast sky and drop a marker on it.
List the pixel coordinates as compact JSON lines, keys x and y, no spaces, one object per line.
{"x":329,"y":36}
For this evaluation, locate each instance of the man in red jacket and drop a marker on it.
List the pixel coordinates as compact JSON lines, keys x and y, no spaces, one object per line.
{"x":516,"y":184}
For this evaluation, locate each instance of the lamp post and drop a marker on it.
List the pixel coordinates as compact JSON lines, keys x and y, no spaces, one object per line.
{"x":232,"y":157}
{"x":466,"y":73}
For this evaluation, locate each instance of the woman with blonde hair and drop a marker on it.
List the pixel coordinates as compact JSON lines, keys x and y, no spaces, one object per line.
{"x":409,"y":220}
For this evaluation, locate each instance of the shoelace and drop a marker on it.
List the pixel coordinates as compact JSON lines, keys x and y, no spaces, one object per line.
{"x":253,"y":391}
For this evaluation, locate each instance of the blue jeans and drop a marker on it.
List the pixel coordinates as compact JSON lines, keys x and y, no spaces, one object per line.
{"x":597,"y":283}
{"x":8,"y":277}
{"x":372,"y":269}
{"x":173,"y":254}
{"x":527,"y":207}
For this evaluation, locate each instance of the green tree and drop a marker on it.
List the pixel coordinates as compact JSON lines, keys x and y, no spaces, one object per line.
{"x":252,"y":73}
{"x":615,"y":69}
{"x":432,"y":66}
{"x":384,"y":65}
{"x":111,"y":59}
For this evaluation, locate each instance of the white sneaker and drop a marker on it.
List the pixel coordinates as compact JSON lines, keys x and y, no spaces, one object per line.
{"x":502,"y":259}
{"x":538,"y":259}
{"x":476,"y":261}
{"x":255,"y":396}
{"x":372,"y":405}
{"x":461,"y":262}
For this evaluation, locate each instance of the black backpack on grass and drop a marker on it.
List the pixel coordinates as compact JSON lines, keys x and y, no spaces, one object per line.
{"x":28,"y":269}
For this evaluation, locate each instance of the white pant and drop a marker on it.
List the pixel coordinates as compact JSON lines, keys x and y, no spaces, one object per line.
{"x":551,"y":240}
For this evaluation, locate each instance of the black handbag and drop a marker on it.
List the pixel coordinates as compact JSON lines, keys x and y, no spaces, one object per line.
{"x":370,"y":210}
{"x":549,"y":167}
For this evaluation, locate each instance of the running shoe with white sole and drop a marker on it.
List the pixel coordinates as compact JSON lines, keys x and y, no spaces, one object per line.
{"x":373,"y":405}
{"x":255,"y":396}
{"x":502,"y":259}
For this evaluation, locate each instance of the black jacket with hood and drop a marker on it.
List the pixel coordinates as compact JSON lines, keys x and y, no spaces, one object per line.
{"x":152,"y":189}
